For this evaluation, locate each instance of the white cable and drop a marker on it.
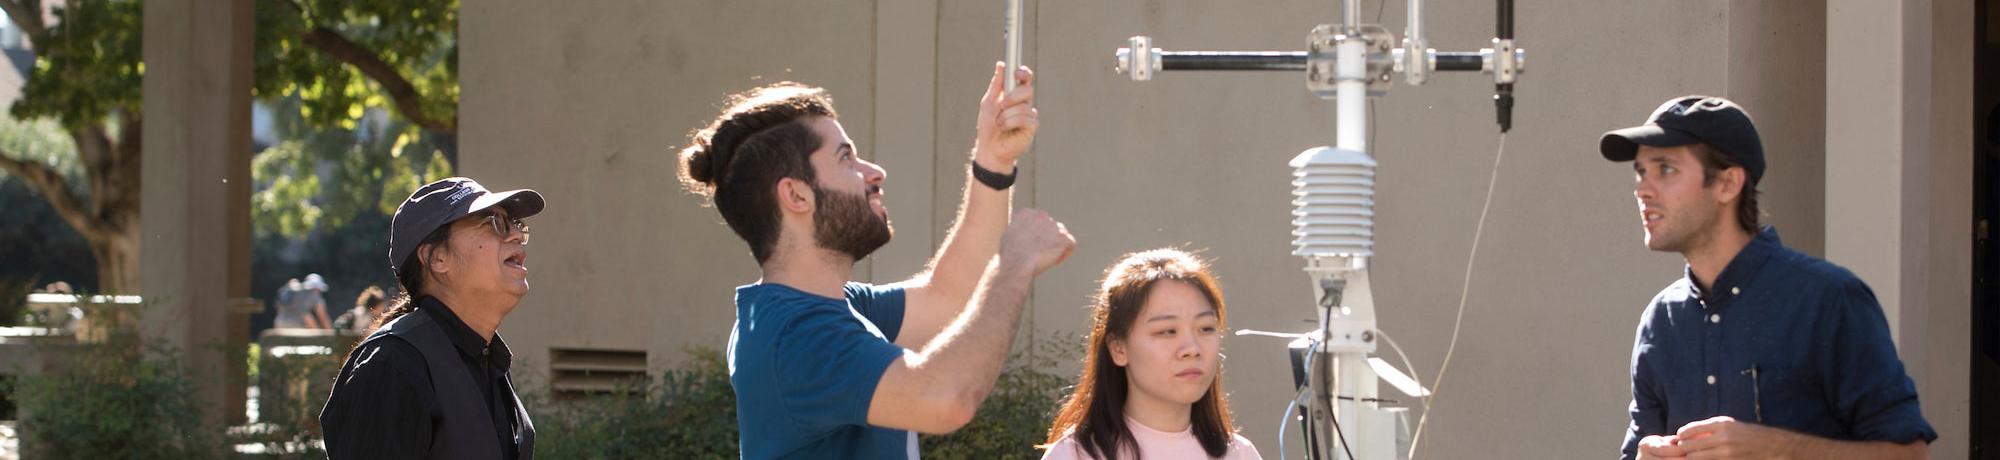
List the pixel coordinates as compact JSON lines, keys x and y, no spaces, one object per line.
{"x":1411,"y":368}
{"x":1463,"y":290}
{"x":1291,"y":408}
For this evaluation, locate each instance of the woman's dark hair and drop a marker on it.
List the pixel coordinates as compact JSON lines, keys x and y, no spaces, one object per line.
{"x":1095,"y":413}
{"x":737,"y":160}
{"x":411,"y":276}
{"x":1712,"y":162}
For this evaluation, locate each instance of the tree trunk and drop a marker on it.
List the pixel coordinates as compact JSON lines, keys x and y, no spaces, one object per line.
{"x":112,"y":167}
{"x":108,"y":216}
{"x":117,"y":254}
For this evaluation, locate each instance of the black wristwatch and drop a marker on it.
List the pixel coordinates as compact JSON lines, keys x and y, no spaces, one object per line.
{"x":993,"y":179}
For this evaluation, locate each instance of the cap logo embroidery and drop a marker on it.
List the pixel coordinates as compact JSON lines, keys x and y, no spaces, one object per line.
{"x":460,"y":195}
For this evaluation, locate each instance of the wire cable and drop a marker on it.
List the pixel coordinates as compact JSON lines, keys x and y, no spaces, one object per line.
{"x":1411,"y":368}
{"x":1344,"y":446}
{"x":1463,"y":291}
{"x":1291,"y":411}
{"x":1333,"y":398}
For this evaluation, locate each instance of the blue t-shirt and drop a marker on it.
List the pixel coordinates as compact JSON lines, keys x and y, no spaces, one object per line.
{"x":805,"y":369}
{"x":1783,"y":339}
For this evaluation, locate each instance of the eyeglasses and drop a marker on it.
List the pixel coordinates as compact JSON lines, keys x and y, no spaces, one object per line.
{"x":494,"y":222}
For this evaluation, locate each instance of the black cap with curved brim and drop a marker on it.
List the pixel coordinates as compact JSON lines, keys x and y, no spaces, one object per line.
{"x":438,"y":203}
{"x":1689,"y":119}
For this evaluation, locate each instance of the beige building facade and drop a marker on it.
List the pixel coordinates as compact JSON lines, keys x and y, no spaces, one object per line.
{"x":1863,"y":106}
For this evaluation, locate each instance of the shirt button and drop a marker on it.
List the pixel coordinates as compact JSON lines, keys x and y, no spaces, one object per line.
{"x":1735,"y":291}
{"x":1711,"y":380}
{"x":1715,"y":318}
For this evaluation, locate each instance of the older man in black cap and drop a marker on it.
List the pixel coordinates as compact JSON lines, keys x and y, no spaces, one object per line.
{"x":1757,"y":351}
{"x":431,"y":381}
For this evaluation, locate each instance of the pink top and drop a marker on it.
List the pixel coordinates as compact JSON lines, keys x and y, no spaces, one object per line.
{"x":1156,"y":445}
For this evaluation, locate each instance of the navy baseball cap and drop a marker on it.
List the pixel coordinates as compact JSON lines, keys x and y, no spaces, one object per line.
{"x":438,"y":203}
{"x":1689,"y":119}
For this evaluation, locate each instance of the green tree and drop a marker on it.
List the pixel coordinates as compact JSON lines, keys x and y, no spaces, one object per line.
{"x":336,"y":57}
{"x":30,"y":230}
{"x":323,"y":178}
{"x":340,"y":57}
{"x":324,"y":196}
{"x":87,"y":78}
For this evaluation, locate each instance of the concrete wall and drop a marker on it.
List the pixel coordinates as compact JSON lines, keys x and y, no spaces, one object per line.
{"x":1944,"y":378}
{"x":587,"y":103}
{"x":1899,"y":184}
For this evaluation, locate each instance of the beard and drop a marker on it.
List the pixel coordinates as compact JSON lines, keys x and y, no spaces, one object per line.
{"x":1687,"y":228}
{"x":844,"y":223}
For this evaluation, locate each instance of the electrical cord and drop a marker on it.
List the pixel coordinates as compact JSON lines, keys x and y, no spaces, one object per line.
{"x":1291,"y":411}
{"x":1332,"y":405}
{"x":1411,"y":368}
{"x":1464,"y":290}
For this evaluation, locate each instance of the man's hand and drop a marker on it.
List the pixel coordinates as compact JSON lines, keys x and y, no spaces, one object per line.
{"x":1658,"y":447}
{"x":939,"y":389}
{"x":1724,"y":437}
{"x":1007,"y":121}
{"x":1035,"y":240}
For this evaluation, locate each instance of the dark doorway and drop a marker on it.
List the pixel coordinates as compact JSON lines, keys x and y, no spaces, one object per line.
{"x":1986,"y":232}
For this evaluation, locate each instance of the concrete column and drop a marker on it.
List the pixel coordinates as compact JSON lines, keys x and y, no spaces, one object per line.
{"x":905,"y":80}
{"x":1777,"y":70}
{"x":1898,"y":187}
{"x":1947,"y":385}
{"x":195,"y":224}
{"x":1875,"y":157}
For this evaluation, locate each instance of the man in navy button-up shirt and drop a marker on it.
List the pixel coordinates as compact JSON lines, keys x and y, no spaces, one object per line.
{"x":1758,"y":351}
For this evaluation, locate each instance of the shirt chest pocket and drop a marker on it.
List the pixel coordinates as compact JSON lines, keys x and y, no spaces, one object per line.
{"x":1787,"y":397}
{"x":1764,"y":396}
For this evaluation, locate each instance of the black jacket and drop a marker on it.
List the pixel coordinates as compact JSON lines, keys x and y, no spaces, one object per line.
{"x":426,"y":386}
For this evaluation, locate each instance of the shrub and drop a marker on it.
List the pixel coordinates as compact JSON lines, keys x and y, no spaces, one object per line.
{"x":1016,"y":416}
{"x":690,"y":413}
{"x":14,"y":299}
{"x":292,"y":390}
{"x":113,"y":400}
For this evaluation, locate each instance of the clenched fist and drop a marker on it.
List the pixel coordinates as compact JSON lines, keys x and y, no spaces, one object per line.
{"x":1035,"y":240}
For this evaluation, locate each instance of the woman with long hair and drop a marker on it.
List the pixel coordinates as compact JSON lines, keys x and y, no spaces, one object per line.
{"x":1152,"y":379}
